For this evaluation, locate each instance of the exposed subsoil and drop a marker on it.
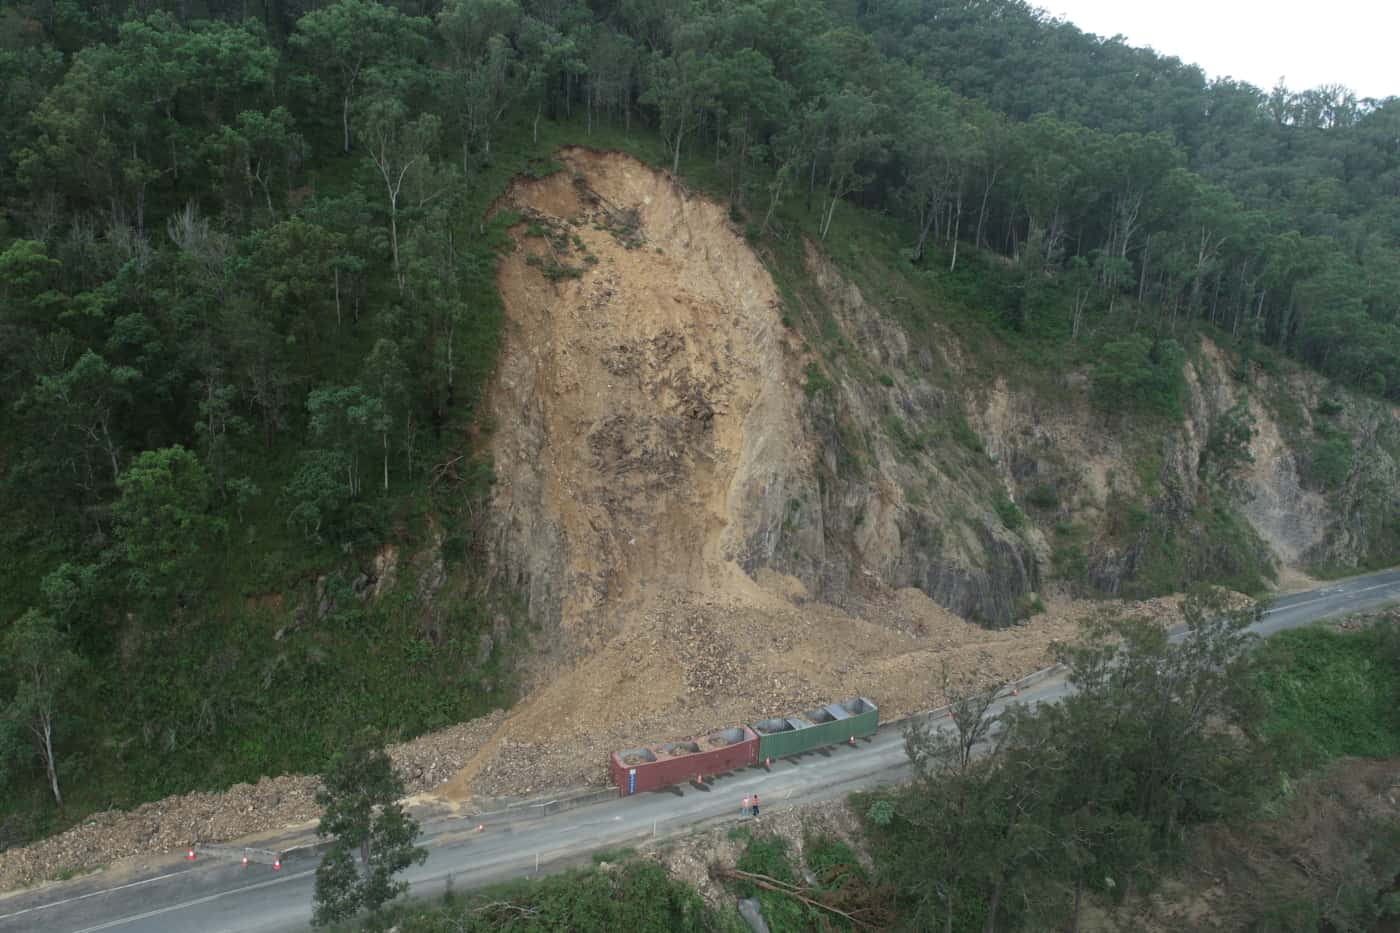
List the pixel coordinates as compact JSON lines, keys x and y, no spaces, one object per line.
{"x":174,"y":823}
{"x":638,"y":408}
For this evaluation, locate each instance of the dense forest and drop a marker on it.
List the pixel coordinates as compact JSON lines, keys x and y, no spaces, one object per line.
{"x":246,"y":305}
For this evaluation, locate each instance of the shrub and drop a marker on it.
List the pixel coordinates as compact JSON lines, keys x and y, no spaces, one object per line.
{"x":1011,"y":516}
{"x":1329,"y":407}
{"x":964,"y":435}
{"x":1330,"y":462}
{"x":1138,"y":373}
{"x":817,"y":381}
{"x":1043,"y":496}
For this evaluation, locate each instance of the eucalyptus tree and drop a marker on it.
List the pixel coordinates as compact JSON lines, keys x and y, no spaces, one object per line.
{"x":341,"y":44}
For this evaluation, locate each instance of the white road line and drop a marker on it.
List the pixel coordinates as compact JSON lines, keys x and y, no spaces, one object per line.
{"x":1319,"y":599}
{"x":82,"y":897}
{"x":196,"y":902}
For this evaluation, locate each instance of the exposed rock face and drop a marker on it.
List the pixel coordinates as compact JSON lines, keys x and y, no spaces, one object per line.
{"x":655,"y":418}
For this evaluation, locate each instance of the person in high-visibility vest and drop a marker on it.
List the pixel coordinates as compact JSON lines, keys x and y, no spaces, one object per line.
{"x":755,"y":805}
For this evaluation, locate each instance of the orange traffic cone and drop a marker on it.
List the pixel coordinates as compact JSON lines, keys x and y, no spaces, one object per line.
{"x":245,"y":861}
{"x":277,"y":864}
{"x":190,"y":856}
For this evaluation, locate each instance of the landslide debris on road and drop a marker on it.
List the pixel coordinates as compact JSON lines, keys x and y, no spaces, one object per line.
{"x":172,"y":824}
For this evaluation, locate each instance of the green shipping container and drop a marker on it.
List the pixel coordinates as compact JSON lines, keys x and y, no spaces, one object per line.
{"x":816,"y":728}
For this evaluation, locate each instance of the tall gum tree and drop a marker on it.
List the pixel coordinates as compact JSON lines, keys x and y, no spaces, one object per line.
{"x":343,"y":42}
{"x":40,"y":661}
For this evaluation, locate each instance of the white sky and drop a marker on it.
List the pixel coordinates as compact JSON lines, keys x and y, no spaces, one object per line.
{"x":1351,"y":42}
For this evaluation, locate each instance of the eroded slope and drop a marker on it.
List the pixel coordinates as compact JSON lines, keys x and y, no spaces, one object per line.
{"x":653,"y":457}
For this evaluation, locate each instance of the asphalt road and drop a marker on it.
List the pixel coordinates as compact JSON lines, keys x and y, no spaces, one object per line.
{"x":218,"y":895}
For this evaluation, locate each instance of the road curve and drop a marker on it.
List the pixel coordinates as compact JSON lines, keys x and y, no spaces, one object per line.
{"x":223,"y":896}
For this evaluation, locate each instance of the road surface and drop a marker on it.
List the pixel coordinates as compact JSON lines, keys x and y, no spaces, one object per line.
{"x":223,"y":896}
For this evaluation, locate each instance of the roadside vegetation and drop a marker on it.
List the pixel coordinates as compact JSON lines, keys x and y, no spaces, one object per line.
{"x":634,"y":895}
{"x":1334,"y":693}
{"x":1097,"y":800}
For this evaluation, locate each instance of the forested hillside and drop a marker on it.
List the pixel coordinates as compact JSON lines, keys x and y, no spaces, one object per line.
{"x":247,"y":309}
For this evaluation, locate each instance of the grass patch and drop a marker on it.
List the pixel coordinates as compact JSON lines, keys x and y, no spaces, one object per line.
{"x":1010,"y":514}
{"x":1335,"y":693}
{"x":614,"y":855}
{"x":962,"y":433}
{"x":817,"y":382}
{"x":637,"y":895}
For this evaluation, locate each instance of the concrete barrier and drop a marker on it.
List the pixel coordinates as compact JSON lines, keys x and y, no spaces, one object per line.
{"x":235,"y":853}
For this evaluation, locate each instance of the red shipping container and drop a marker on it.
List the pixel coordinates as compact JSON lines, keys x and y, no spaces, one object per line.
{"x":639,"y":769}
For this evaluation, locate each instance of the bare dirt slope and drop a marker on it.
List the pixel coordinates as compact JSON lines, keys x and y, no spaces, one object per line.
{"x":646,"y":409}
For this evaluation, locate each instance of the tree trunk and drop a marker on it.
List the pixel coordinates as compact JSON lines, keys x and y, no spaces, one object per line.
{"x":385,"y":437}
{"x":948,"y":916}
{"x":111,"y":451}
{"x":1081,"y":299}
{"x":676,"y":153}
{"x":830,"y":212}
{"x":927,"y":223}
{"x":451,"y":366}
{"x":1078,"y":901}
{"x":46,"y":732}
{"x":982,"y":211}
{"x":993,"y":906}
{"x":394,"y":238}
{"x":345,"y":120}
{"x":1142,"y":275}
{"x":957,"y":226}
{"x":775,"y":196}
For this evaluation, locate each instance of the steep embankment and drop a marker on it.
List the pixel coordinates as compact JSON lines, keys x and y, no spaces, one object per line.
{"x":1001,"y":477}
{"x":661,"y":495}
{"x":715,"y":521}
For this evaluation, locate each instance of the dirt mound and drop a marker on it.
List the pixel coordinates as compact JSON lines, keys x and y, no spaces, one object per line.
{"x":174,"y":823}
